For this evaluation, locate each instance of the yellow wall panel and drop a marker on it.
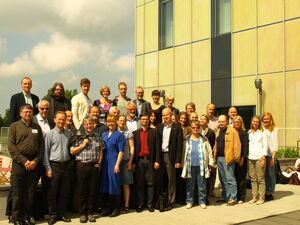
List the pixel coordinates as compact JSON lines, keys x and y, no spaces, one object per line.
{"x":243,"y":14}
{"x":292,"y":44}
{"x":151,"y":70}
{"x":183,"y":64}
{"x":139,"y":70}
{"x":292,"y":8}
{"x":147,"y":94}
{"x":151,"y":26}
{"x":292,"y":99}
{"x":139,"y":2}
{"x":182,"y":21}
{"x":166,"y":67}
{"x":244,"y":91}
{"x":201,"y":19}
{"x":292,"y":135}
{"x":244,"y":53}
{"x":273,"y":96}
{"x":140,"y":30}
{"x":269,"y":11}
{"x":182,"y":95}
{"x":201,"y":96}
{"x":201,"y":60}
{"x":270,"y":50}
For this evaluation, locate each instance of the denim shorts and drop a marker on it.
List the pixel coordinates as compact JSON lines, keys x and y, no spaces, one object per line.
{"x":126,"y":176}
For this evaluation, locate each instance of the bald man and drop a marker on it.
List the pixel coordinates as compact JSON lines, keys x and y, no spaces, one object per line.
{"x":132,"y":122}
{"x":227,"y":151}
{"x":193,"y":117}
{"x":169,"y":144}
{"x":232,"y":112}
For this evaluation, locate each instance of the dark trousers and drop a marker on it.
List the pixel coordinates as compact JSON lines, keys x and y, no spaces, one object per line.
{"x":180,"y":187}
{"x":45,"y":186}
{"x":211,"y":181}
{"x":87,"y":186}
{"x":23,"y":185}
{"x":240,"y":176}
{"x":144,"y":172}
{"x":59,"y":187}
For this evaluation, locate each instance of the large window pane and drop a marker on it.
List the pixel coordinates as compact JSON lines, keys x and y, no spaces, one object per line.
{"x":166,"y":24}
{"x":221,"y":17}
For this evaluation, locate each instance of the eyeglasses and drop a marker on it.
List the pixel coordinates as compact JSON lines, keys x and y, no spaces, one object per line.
{"x":195,"y":128}
{"x":44,"y":108}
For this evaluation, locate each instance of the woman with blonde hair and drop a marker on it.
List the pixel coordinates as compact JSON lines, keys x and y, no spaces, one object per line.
{"x":104,"y":103}
{"x":240,"y":169}
{"x":257,"y":160}
{"x":272,"y":141}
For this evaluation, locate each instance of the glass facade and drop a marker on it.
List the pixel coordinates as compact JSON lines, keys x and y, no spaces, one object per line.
{"x":221,"y":17}
{"x":165,"y":24}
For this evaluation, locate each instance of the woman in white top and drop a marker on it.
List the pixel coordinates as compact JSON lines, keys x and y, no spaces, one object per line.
{"x":272,"y":142}
{"x":257,"y":160}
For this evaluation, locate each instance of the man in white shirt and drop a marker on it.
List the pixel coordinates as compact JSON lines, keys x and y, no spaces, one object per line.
{"x":81,"y":103}
{"x":41,"y":117}
{"x":132,"y":121}
{"x":213,"y":121}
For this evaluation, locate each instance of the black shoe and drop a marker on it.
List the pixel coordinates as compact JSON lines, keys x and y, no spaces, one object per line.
{"x":115,"y":213}
{"x":51,"y":221}
{"x":269,"y":197}
{"x":18,"y":222}
{"x":139,"y":209}
{"x":29,"y":221}
{"x":150,"y":209}
{"x":161,"y":206}
{"x":65,"y":219}
{"x":82,"y":219}
{"x":106,"y":212}
{"x":91,"y":218}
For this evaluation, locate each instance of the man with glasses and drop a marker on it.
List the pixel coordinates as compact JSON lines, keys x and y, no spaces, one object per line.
{"x":132,"y":121}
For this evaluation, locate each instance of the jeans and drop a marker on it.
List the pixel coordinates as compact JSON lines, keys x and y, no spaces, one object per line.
{"x":190,"y":184}
{"x":270,"y":176}
{"x":227,"y":179}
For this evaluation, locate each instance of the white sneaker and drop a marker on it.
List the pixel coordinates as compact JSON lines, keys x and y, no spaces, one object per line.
{"x":240,"y":202}
{"x":188,"y":206}
{"x":203,"y":206}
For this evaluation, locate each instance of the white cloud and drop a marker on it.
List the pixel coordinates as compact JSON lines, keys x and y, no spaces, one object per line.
{"x":3,"y":49}
{"x":69,"y":77}
{"x":124,"y":62}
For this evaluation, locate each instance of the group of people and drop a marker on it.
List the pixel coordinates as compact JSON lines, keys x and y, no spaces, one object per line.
{"x":150,"y":153}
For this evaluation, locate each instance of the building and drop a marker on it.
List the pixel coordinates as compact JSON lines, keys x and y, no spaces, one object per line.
{"x":213,"y":50}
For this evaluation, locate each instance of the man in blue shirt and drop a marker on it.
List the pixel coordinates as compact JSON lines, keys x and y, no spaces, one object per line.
{"x":56,"y":162}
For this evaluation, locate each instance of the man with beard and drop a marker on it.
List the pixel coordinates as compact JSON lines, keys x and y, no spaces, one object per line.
{"x":132,"y":122}
{"x":69,"y":122}
{"x":58,"y":102}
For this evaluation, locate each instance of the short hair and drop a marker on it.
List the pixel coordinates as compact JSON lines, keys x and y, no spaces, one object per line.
{"x":111,"y":118}
{"x":26,"y":106}
{"x":170,"y":97}
{"x":139,"y":87}
{"x":113,"y":108}
{"x":226,"y":117}
{"x":190,"y":104}
{"x":144,"y":114}
{"x":26,"y":78}
{"x":155,"y":92}
{"x":122,"y":83}
{"x":205,"y":116}
{"x":130,"y":104}
{"x":94,"y":107}
{"x":60,"y":112}
{"x":43,"y":101}
{"x":196,"y":122}
{"x":210,"y":104}
{"x":239,"y":118}
{"x":102,"y":88}
{"x":85,"y":81}
{"x":122,"y":116}
{"x":60,"y":85}
{"x":88,"y":118}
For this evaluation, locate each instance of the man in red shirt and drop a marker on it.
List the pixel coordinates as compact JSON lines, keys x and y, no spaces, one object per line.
{"x":145,"y":157}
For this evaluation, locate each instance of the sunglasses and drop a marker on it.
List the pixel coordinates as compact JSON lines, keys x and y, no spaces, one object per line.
{"x":195,"y":127}
{"x":44,"y":108}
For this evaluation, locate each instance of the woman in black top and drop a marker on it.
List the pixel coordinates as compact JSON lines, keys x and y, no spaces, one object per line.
{"x":156,"y":106}
{"x":241,"y":167}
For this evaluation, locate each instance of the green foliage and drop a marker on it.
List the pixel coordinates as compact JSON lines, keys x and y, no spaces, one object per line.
{"x":287,"y":152}
{"x":68,"y":93}
{"x":4,"y":121}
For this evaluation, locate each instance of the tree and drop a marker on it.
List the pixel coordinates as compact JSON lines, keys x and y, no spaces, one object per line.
{"x":68,"y":93}
{"x":4,"y":121}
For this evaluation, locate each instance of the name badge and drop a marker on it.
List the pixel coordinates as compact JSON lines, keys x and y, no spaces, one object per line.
{"x":34,"y":131}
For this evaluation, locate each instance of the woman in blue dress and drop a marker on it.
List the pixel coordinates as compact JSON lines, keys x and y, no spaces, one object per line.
{"x":114,"y":142}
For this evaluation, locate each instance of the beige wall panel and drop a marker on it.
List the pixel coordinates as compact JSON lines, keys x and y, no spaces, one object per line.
{"x":244,"y":53}
{"x":292,"y":99}
{"x":292,"y":135}
{"x":244,"y":91}
{"x":182,"y":21}
{"x":201,"y":60}
{"x":139,"y":70}
{"x":147,"y":94}
{"x":166,"y":67}
{"x":140,"y":30}
{"x":270,"y":50}
{"x":243,"y":14}
{"x":182,"y":95}
{"x":201,"y":96}
{"x":273,"y":96}
{"x":151,"y":26}
{"x":139,"y":2}
{"x":151,"y":70}
{"x":183,"y":64}
{"x":269,"y":11}
{"x":292,"y":8}
{"x":292,"y":44}
{"x":201,"y":19}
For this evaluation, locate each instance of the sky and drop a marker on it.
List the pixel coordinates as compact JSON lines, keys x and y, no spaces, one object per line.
{"x":65,"y":40}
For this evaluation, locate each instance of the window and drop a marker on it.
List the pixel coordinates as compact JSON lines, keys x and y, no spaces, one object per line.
{"x":221,"y":17}
{"x":165,"y":24}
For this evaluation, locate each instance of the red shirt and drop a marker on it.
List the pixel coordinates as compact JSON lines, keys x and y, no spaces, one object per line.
{"x":144,"y":143}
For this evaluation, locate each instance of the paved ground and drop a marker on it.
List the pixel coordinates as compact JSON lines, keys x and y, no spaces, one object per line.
{"x":287,"y":201}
